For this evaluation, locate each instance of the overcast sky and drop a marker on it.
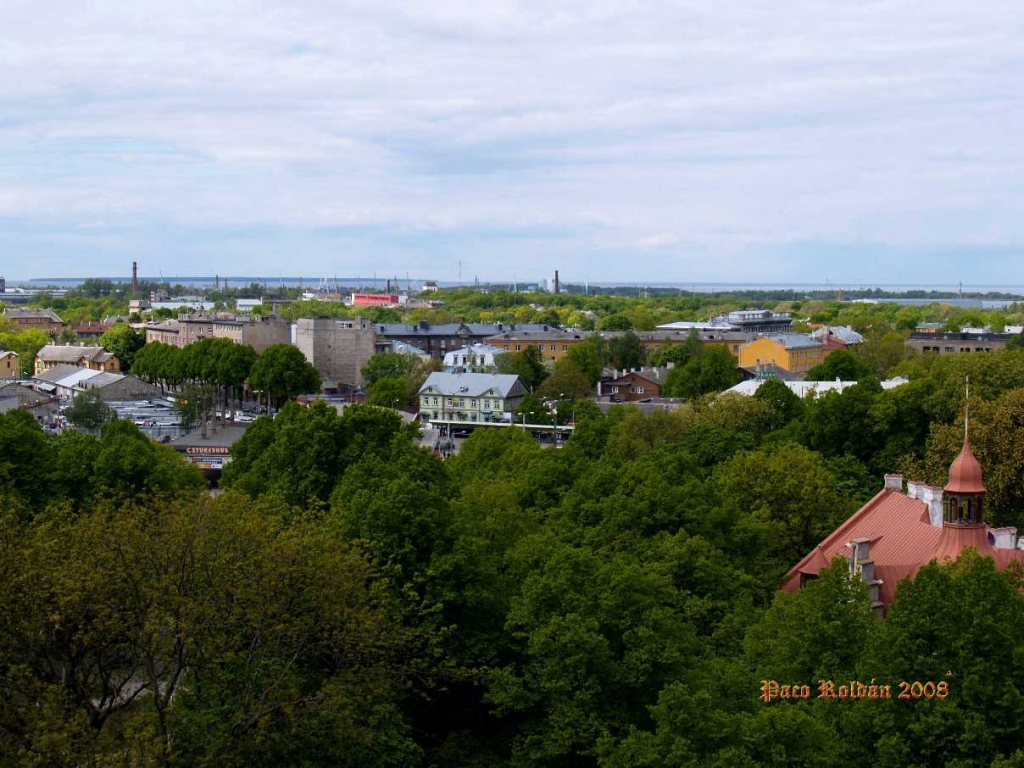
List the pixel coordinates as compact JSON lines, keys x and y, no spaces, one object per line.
{"x":697,"y":141}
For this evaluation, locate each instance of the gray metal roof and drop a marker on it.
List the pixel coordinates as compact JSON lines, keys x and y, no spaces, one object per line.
{"x":55,"y":374}
{"x":453,"y":329}
{"x":470,"y":384}
{"x":795,"y":341}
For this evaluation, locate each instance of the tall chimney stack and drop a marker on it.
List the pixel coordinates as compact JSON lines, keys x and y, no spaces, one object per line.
{"x":135,"y":280}
{"x":558,"y":287}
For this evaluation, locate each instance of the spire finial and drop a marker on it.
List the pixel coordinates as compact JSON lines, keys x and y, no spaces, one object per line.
{"x":967,"y":404}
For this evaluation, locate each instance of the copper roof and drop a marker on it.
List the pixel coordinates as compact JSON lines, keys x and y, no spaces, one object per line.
{"x":965,"y":473}
{"x":902,"y":540}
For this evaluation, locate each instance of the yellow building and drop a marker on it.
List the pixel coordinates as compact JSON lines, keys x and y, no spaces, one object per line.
{"x":93,"y":358}
{"x":10,"y":367}
{"x":790,"y":351}
{"x":553,"y":345}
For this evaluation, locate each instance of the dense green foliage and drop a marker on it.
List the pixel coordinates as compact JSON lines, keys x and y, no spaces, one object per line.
{"x":394,"y":379}
{"x":124,"y":341}
{"x":88,"y":411}
{"x":350,"y":599}
{"x":283,"y":372}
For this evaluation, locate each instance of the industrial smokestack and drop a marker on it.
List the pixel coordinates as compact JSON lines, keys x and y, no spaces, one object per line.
{"x":558,"y":286}
{"x":135,"y":280}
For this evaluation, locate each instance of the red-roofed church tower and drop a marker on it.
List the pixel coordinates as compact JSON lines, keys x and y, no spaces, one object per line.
{"x":964,"y":494}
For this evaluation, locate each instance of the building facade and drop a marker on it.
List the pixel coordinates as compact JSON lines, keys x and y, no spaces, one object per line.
{"x":553,"y":344}
{"x":46,"y":320}
{"x":438,"y":340}
{"x":939,"y":343}
{"x":476,"y":358}
{"x":10,"y":365}
{"x":790,"y":351}
{"x":897,"y":532}
{"x":258,"y":333}
{"x":629,"y":386}
{"x":337,"y":347}
{"x":91,"y":358}
{"x":471,"y":397}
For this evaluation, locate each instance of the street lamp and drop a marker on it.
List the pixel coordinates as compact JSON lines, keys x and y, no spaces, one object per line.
{"x":557,"y":403}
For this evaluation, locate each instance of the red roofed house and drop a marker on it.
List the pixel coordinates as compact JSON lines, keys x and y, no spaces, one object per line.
{"x":894,"y":534}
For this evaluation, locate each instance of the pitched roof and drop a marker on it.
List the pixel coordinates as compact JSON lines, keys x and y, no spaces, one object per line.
{"x":58,"y":372}
{"x":55,"y":353}
{"x":93,"y":327}
{"x":454,"y":329}
{"x":33,"y":314}
{"x":965,"y":472}
{"x":795,"y":341}
{"x":802,"y":388}
{"x":648,"y":373}
{"x":470,"y":384}
{"x":902,"y":540}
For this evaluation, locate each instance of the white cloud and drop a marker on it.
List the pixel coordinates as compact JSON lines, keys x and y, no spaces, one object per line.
{"x":524,"y":129}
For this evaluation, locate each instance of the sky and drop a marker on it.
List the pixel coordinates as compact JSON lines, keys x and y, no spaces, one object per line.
{"x":848,"y":142}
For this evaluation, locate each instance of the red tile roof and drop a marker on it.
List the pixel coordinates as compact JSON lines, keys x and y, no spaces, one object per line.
{"x":965,"y":473}
{"x":902,"y":540}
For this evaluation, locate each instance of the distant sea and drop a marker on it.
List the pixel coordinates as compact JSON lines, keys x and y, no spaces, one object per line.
{"x":207,"y":281}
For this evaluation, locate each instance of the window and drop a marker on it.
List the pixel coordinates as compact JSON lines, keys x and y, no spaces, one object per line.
{"x":517,"y":347}
{"x":487,"y":404}
{"x":472,"y":403}
{"x":552,"y":347}
{"x":565,"y":347}
{"x":435,"y":401}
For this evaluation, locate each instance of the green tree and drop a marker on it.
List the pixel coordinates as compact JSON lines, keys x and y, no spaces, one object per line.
{"x":840,"y":364}
{"x":957,"y":623}
{"x":123,"y":341}
{"x":88,"y":410}
{"x":283,"y":372}
{"x":626,"y":351}
{"x":567,"y":381}
{"x":713,"y":371}
{"x":26,"y":458}
{"x":784,"y":403}
{"x":26,"y":343}
{"x":389,"y":392}
{"x":589,"y":356}
{"x":819,"y":632}
{"x":783,"y":494}
{"x":616,"y":323}
{"x":527,"y":365}
{"x":301,"y":454}
{"x":389,"y":365}
{"x":678,"y":354}
{"x":533,"y":411}
{"x":206,"y":632}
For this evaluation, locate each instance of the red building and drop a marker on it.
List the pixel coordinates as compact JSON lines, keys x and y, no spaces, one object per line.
{"x":894,"y":534}
{"x":374,"y":299}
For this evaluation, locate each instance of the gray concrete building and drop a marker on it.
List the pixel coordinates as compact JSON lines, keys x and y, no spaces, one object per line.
{"x":951,"y":343}
{"x":337,"y":347}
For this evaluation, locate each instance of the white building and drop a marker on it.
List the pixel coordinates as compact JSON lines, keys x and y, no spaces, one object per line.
{"x":480,"y":397}
{"x":478,"y":358}
{"x":803,"y":388}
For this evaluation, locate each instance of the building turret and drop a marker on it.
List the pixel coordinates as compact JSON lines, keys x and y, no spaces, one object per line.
{"x":963,"y":496}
